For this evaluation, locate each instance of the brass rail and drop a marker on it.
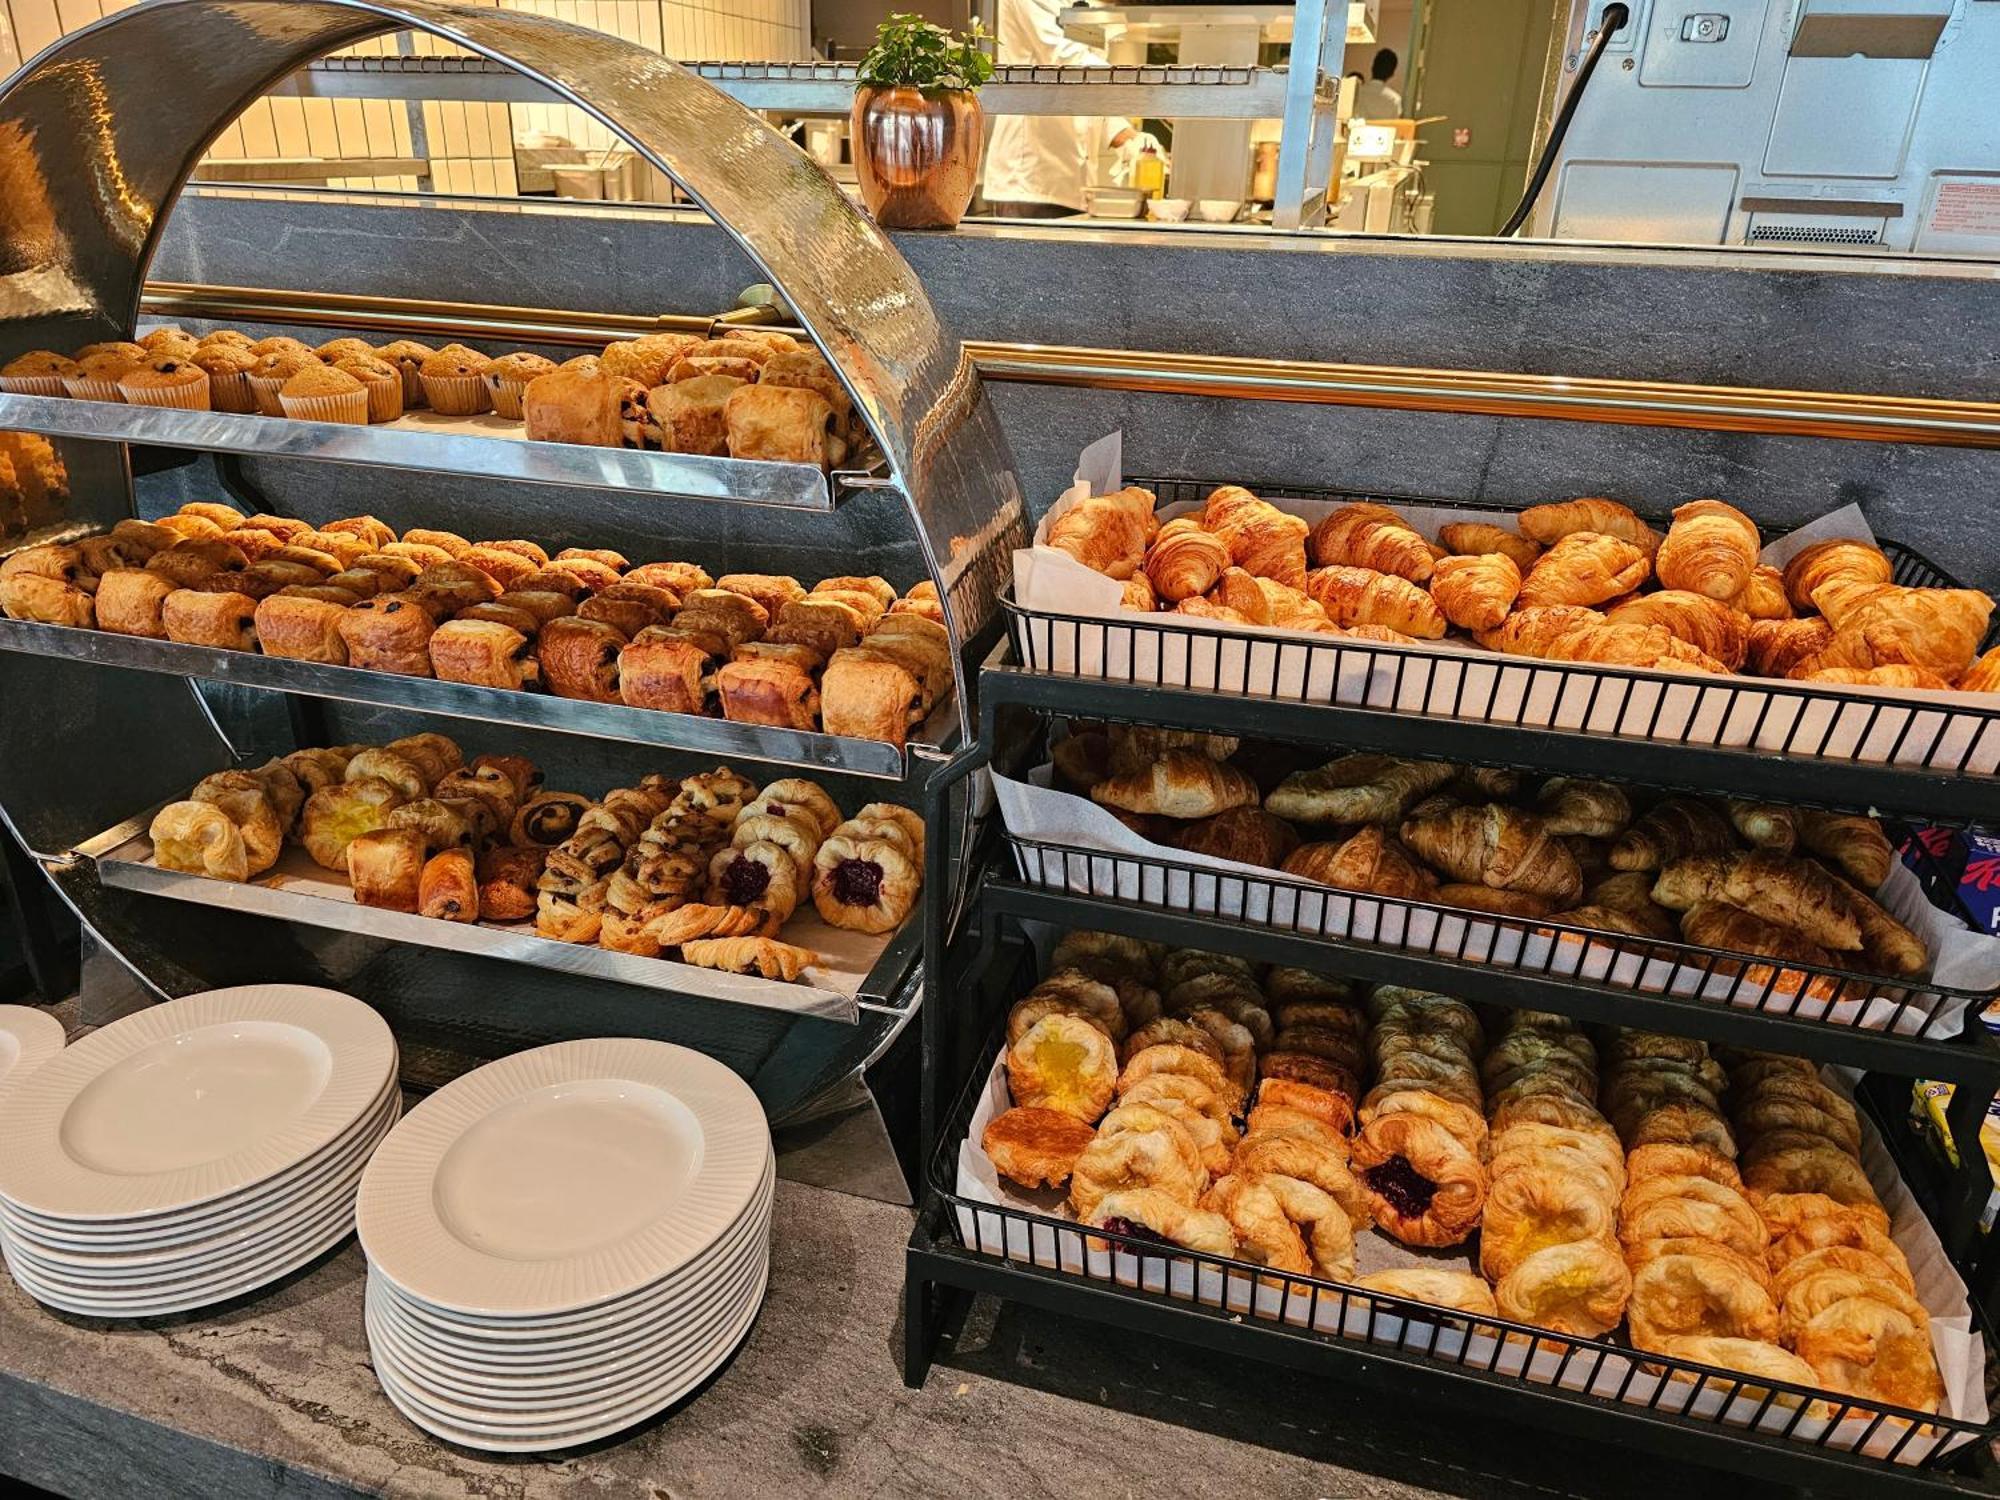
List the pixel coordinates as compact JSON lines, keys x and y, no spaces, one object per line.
{"x":1644,"y":403}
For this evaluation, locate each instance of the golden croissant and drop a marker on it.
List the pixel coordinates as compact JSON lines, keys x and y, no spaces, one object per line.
{"x":1476,"y":593}
{"x":1265,"y":601}
{"x":1777,"y":646}
{"x":1574,"y":632}
{"x":1107,"y":533}
{"x":1357,"y":789}
{"x":1361,"y":596}
{"x":1477,"y":539}
{"x":1893,"y":675}
{"x":1984,"y":675}
{"x":1841,"y":560}
{"x":1585,"y":567}
{"x":1710,"y":549}
{"x":1372,"y":536}
{"x":1794,"y":893}
{"x":1261,"y":538}
{"x":1498,"y":846}
{"x":1549,"y":524}
{"x":1711,"y":627}
{"x":1369,"y":861}
{"x":1185,"y":560}
{"x":1763,"y":597}
{"x":1179,"y":784}
{"x":1674,"y":829}
{"x":1935,"y":628}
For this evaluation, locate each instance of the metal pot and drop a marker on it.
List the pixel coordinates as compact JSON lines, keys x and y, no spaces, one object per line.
{"x":917,"y":155}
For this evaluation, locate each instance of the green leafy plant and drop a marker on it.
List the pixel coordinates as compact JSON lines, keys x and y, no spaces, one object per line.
{"x":910,"y":52}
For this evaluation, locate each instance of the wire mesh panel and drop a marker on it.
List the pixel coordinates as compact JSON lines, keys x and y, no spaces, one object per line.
{"x":1458,"y":681}
{"x":1486,"y":941}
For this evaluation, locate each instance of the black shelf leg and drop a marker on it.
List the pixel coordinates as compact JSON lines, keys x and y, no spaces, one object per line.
{"x":48,"y":943}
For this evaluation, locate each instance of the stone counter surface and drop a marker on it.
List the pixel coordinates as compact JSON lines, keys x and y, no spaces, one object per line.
{"x":273,"y":1396}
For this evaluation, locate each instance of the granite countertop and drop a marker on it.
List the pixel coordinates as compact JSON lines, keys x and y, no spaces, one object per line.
{"x":273,"y":1396}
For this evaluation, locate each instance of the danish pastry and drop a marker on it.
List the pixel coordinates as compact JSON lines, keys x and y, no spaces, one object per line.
{"x":1035,"y":1147}
{"x":1535,"y":1207}
{"x":1576,"y":1287}
{"x":1163,"y":1158}
{"x":1458,"y":1290}
{"x":1285,"y":1224}
{"x":243,"y":798}
{"x":1063,"y":1063}
{"x":866,"y":884}
{"x":385,"y":866}
{"x":1425,"y":1187}
{"x":1874,"y":1349}
{"x":1683,"y":1292}
{"x":1148,"y":1214}
{"x":335,"y":815}
{"x":750,"y":955}
{"x":198,"y":838}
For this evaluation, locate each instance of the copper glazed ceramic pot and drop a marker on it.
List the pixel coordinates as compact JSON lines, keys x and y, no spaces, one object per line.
{"x":917,"y":155}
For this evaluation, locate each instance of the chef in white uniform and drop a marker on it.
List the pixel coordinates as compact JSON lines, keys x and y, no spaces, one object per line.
{"x":1036,"y":165}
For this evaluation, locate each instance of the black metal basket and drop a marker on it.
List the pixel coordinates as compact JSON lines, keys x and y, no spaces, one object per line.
{"x":1773,"y":716}
{"x":1340,"y":1318}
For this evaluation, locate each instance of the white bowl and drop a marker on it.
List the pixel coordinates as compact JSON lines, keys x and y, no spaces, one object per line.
{"x":1167,"y":210}
{"x":1217,"y":210}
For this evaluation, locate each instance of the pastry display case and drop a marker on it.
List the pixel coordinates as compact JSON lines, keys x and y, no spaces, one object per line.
{"x":913,"y":479}
{"x":1058,"y":860}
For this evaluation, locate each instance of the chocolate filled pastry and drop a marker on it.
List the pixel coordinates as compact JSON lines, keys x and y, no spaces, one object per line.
{"x":1425,"y":1187}
{"x":424,"y":557}
{"x":301,"y":629}
{"x":507,"y":880}
{"x":198,"y":838}
{"x":129,"y":601}
{"x":459,"y":585}
{"x":336,"y":814}
{"x":373,"y":530}
{"x":631,"y":606}
{"x":395,"y":572}
{"x":735,"y":617}
{"x":227,"y":621}
{"x":389,"y":633}
{"x":865,"y":884}
{"x":868,"y":697}
{"x":485,"y":787}
{"x":446,"y":888}
{"x":190,"y":562}
{"x":546,"y":819}
{"x":523,"y":773}
{"x":781,"y":424}
{"x":442,"y":825}
{"x":386,"y":868}
{"x":45,"y":601}
{"x":484,"y":654}
{"x":359,"y":582}
{"x":503,"y":567}
{"x":689,"y":413}
{"x":579,"y":659}
{"x":750,"y":955}
{"x":663,"y":670}
{"x":539,"y":604}
{"x":768,"y":692}
{"x":593,"y":575}
{"x":826,"y":625}
{"x":772,"y":591}
{"x":273,"y":575}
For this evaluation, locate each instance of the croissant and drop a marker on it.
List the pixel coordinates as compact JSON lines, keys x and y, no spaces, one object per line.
{"x":1767,"y":825}
{"x":1777,"y":646}
{"x":1763,"y":597}
{"x":1794,"y":893}
{"x":1477,"y":539}
{"x":1841,"y":560}
{"x":1594,"y":809}
{"x":1180,"y":784}
{"x":1852,"y":843}
{"x":1369,"y":861}
{"x":1359,"y":596}
{"x":1887,"y":946}
{"x":1261,"y":538}
{"x":1185,"y":560}
{"x":1357,"y":789}
{"x":1476,"y":593}
{"x":1107,"y":533}
{"x":1711,"y":627}
{"x":1982,"y":677}
{"x":1935,"y":628}
{"x":1585,"y":567}
{"x":199,"y":838}
{"x":1710,"y":549}
{"x":1572,"y":632}
{"x":1372,"y":536}
{"x":1674,"y":829}
{"x":1716,"y":924}
{"x":1549,"y":524}
{"x":1498,"y":846}
{"x":1896,"y":675}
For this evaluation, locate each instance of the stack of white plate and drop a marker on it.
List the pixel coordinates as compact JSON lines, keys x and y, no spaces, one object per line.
{"x":194,"y":1151}
{"x":565,"y":1242}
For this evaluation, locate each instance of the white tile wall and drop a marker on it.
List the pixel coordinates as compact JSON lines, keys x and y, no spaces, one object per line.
{"x":469,"y":146}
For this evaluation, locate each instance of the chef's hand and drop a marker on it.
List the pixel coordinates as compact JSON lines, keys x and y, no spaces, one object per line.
{"x":1131,"y":145}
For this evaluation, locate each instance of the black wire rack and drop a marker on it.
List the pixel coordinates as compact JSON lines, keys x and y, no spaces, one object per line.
{"x":1769,"y":718}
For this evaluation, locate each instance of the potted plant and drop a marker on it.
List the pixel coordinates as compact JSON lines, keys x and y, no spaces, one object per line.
{"x":917,"y":125}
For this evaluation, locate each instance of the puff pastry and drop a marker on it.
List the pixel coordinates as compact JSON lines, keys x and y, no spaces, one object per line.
{"x":335,"y":815}
{"x":302,"y":629}
{"x":1065,"y":1064}
{"x":225,"y":620}
{"x":580,"y":659}
{"x":198,"y":838}
{"x":386,"y":867}
{"x":389,"y":633}
{"x":447,"y":889}
{"x":1365,"y":535}
{"x":1458,"y":1290}
{"x":864,"y":883}
{"x":749,"y":955}
{"x":129,"y":602}
{"x":484,"y":654}
{"x":1575,"y":1287}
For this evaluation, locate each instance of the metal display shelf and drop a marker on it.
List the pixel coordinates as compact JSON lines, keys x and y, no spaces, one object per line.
{"x":1593,"y":1388}
{"x":1151,"y":91}
{"x":605,"y":721}
{"x":297,"y":890}
{"x":421,"y":442}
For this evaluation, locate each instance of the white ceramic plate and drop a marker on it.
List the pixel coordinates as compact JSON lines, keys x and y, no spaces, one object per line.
{"x":190,"y":1100}
{"x":28,"y":1038}
{"x":217,"y":1232}
{"x":496,"y":1333}
{"x":563,"y":1176}
{"x":608,"y":1378}
{"x":495,"y":1440}
{"x":307,"y":1247}
{"x":215,"y":1257}
{"x":566,"y":1351}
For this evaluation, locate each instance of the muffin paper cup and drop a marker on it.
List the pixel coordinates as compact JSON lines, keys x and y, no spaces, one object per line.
{"x":385,"y":398}
{"x":264,"y":391}
{"x":350,"y":407}
{"x":84,"y":388}
{"x":413,"y":387}
{"x":231,"y":393}
{"x":192,"y":396}
{"x":34,"y":385}
{"x":455,"y":395}
{"x":506,"y":393}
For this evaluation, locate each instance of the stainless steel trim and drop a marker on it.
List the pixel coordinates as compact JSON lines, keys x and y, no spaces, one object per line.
{"x":121,"y":868}
{"x":1869,"y":208}
{"x":421,"y":443}
{"x":605,"y":721}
